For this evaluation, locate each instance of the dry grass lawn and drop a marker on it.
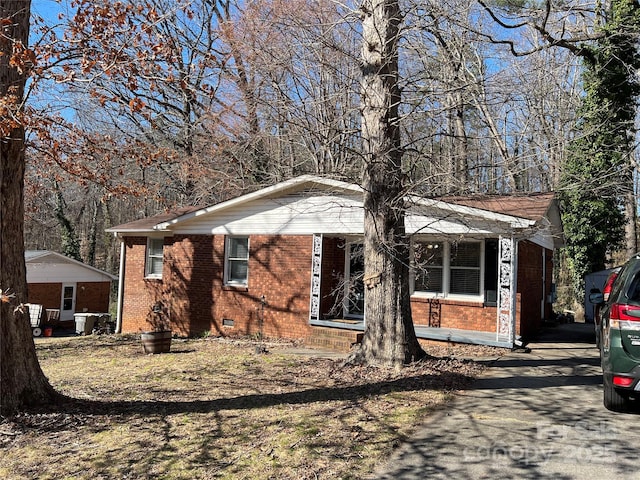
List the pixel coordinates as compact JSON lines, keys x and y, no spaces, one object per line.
{"x":220,"y":409}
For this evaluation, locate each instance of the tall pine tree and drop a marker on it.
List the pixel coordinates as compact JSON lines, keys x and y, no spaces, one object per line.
{"x":598,"y":173}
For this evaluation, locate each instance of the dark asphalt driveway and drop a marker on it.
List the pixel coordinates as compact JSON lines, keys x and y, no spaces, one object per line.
{"x":531,"y":415}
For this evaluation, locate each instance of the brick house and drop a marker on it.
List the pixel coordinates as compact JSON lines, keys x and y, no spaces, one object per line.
{"x":62,"y":283}
{"x":286,"y":261}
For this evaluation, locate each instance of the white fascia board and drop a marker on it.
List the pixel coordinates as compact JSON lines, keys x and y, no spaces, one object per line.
{"x":289,"y":185}
{"x":142,"y":231}
{"x":470,"y":212}
{"x":542,"y":240}
{"x":545,"y":237}
{"x":431,"y":227}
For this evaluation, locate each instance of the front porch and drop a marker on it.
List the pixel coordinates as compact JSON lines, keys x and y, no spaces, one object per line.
{"x":456,"y":335}
{"x":466,"y":304}
{"x":341,"y":334}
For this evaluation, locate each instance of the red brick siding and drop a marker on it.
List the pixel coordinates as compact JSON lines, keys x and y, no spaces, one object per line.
{"x":548,"y":306}
{"x":279,"y":269}
{"x":475,"y":316}
{"x":518,"y":313}
{"x":93,"y":296}
{"x":192,"y":287}
{"x":90,"y":296}
{"x":196,"y":300}
{"x":456,"y":314}
{"x":191,"y":271}
{"x":140,"y":293}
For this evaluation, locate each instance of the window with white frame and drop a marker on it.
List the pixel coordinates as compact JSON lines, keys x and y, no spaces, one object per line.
{"x":464,"y":268}
{"x":448,"y":268}
{"x":429,"y":266}
{"x":154,"y":258}
{"x":236,"y":264}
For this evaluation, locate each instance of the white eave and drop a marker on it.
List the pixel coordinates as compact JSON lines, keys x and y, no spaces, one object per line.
{"x":434,"y":209}
{"x":310,"y":204}
{"x":277,"y":190}
{"x":462,"y":211}
{"x":141,"y":231}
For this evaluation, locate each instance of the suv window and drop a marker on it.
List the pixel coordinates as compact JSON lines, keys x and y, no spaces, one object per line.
{"x":621,"y":283}
{"x":633,"y":293}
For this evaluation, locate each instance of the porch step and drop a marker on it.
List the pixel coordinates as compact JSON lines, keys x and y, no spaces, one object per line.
{"x":333,"y":339}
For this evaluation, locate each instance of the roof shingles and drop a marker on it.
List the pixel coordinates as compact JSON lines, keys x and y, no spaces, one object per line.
{"x":147,"y":224}
{"x":533,"y":206}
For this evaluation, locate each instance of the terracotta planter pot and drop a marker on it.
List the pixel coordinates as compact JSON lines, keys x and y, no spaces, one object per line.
{"x":156,"y":342}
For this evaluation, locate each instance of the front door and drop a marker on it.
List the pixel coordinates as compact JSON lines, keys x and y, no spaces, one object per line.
{"x":354,"y":294}
{"x":68,"y":302}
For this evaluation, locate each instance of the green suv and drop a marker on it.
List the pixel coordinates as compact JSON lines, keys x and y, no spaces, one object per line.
{"x":620,"y":337}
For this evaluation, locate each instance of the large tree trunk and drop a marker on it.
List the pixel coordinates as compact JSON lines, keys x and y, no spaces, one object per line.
{"x":22,"y":382}
{"x":630,"y":206}
{"x":389,"y":337}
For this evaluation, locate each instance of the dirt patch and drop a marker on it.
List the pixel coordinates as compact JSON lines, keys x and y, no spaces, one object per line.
{"x":217,"y":408}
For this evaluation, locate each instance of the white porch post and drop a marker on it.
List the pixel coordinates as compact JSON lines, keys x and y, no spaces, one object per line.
{"x":123,"y":252}
{"x":544,"y":283}
{"x":316,"y":275}
{"x":507,"y":279}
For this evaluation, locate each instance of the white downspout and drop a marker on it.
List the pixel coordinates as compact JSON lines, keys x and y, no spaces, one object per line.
{"x":514,"y":292}
{"x":544,"y":283}
{"x":123,"y":251}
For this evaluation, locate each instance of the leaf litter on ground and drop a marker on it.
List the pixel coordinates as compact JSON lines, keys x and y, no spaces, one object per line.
{"x":217,"y":408}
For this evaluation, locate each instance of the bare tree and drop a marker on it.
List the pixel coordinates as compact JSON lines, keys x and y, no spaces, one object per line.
{"x":509,"y":116}
{"x":178,"y":110}
{"x":305,"y":55}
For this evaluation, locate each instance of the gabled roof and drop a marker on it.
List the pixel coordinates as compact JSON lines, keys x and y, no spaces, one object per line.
{"x":44,"y":257}
{"x":308,"y":202}
{"x":308,"y":182}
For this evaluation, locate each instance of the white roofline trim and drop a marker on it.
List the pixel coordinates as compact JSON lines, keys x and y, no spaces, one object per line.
{"x":135,"y":230}
{"x":281,"y":187}
{"x":299,"y":182}
{"x":513,"y":221}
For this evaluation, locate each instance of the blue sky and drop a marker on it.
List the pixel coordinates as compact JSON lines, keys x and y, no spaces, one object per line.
{"x":48,"y":8}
